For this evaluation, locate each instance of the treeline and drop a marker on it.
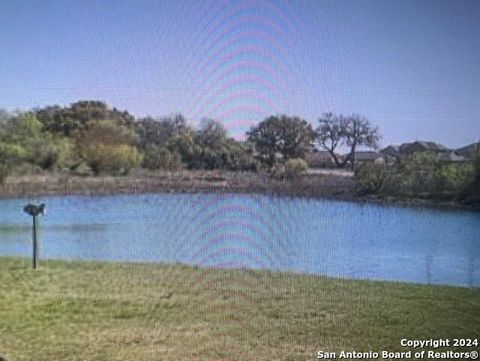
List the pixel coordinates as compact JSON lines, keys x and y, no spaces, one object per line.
{"x":90,"y":137}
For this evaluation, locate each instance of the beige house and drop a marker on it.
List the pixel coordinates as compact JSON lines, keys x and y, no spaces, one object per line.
{"x":320,"y":159}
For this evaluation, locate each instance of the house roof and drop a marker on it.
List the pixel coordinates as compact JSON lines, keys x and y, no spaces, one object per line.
{"x":321,"y":156}
{"x":451,"y":157}
{"x":366,"y":155}
{"x":424,"y":145}
{"x":391,"y":150}
{"x":392,"y":146}
{"x":318,"y":154}
{"x":469,"y":150}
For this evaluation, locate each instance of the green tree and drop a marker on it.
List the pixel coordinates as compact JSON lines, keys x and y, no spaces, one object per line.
{"x":238,"y":156}
{"x":159,"y":131}
{"x":29,"y":143}
{"x":281,"y":137}
{"x":184,"y":145}
{"x":211,"y":134}
{"x":69,"y":120}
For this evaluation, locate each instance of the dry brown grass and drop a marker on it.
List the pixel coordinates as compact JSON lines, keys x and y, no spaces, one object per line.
{"x":141,"y":181}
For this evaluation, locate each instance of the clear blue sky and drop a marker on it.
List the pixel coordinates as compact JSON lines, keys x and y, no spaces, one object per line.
{"x":411,"y":67}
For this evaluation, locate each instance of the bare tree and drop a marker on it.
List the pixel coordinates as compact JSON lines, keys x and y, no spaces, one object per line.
{"x":359,"y":132}
{"x":353,"y":131}
{"x":330,"y":136}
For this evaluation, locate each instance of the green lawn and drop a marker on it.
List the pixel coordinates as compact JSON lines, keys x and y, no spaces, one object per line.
{"x":112,"y":311}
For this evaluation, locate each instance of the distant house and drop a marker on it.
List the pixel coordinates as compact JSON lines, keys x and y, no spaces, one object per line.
{"x":396,"y":152}
{"x":470,"y":151}
{"x":444,"y":154}
{"x":362,"y":157}
{"x":407,"y":149}
{"x":320,"y":159}
{"x":392,"y":151}
{"x":451,"y":157}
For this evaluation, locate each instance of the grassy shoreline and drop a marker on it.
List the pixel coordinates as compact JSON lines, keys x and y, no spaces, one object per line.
{"x":113,"y":311}
{"x":319,"y":186}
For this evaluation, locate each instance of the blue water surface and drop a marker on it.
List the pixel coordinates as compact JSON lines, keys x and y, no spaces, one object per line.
{"x":341,"y":239}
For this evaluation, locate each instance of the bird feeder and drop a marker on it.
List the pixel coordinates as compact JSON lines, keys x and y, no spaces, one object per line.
{"x":35,"y":211}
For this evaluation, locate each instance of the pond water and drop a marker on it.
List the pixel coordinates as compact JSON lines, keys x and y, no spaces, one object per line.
{"x":333,"y":238}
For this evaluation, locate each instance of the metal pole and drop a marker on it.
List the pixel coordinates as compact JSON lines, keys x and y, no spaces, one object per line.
{"x":35,"y":243}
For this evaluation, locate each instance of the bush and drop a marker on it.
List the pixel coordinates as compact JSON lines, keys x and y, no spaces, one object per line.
{"x":10,"y":154}
{"x":420,"y":175}
{"x":475,"y":183}
{"x":295,"y":167}
{"x":161,"y":158}
{"x":455,"y":177}
{"x":4,"y":172}
{"x":471,"y":192}
{"x":111,"y":159}
{"x":370,"y":178}
{"x":239,"y":157}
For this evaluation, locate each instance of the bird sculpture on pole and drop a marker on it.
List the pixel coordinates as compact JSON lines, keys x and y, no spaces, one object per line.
{"x":35,"y":210}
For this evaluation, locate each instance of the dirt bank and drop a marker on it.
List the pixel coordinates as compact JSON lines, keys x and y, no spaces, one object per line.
{"x":185,"y":181}
{"x":317,"y":185}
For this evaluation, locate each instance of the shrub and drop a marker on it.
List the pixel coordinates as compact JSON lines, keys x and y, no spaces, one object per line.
{"x":370,"y":178}
{"x":475,"y":184}
{"x":419,"y":174}
{"x":10,"y":154}
{"x":161,"y":158}
{"x":111,"y":159}
{"x":471,"y":192}
{"x":455,"y":177}
{"x":4,"y":171}
{"x":67,"y":157}
{"x":239,"y":156}
{"x":295,"y":167}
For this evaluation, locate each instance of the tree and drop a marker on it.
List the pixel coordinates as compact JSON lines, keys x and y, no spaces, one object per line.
{"x":159,"y":131}
{"x":29,"y":143}
{"x":353,"y":131}
{"x":212,"y":134}
{"x":359,"y":132}
{"x":281,"y":137}
{"x":69,"y":120}
{"x":330,"y":135}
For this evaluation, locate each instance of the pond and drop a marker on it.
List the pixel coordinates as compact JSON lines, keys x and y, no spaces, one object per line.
{"x":340,"y":239}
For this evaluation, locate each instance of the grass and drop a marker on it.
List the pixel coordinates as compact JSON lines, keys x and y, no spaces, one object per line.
{"x":111,"y":311}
